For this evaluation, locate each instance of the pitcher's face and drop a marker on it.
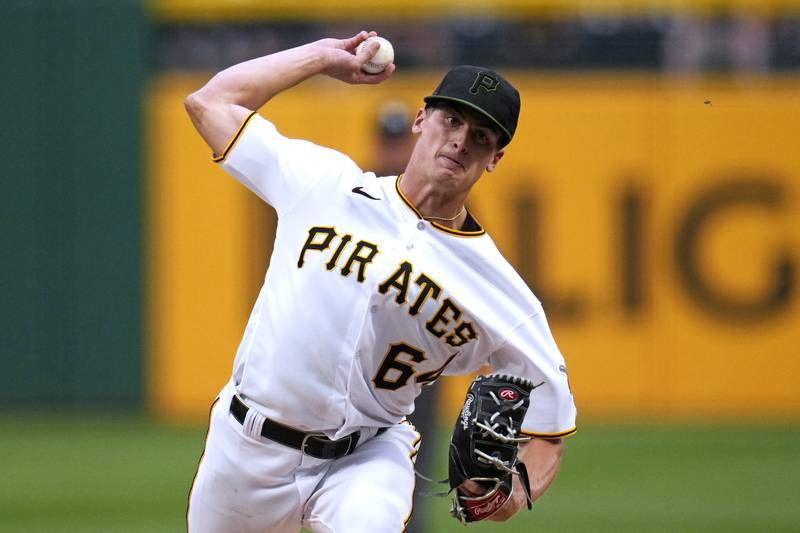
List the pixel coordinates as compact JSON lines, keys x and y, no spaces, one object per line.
{"x":455,"y":145}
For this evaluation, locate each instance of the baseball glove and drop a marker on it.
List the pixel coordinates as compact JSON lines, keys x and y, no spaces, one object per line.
{"x":484,"y":445}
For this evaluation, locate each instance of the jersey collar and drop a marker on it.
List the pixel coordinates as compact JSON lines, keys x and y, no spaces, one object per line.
{"x":458,"y":233}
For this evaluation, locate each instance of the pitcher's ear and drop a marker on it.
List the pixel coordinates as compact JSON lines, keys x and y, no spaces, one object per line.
{"x":498,"y":155}
{"x":416,"y":126}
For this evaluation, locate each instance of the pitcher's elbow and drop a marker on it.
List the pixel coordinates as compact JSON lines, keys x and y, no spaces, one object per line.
{"x":194,"y":105}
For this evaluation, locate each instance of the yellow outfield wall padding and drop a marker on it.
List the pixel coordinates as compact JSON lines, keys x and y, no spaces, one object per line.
{"x":254,"y":10}
{"x":657,"y":218}
{"x":202,"y":260}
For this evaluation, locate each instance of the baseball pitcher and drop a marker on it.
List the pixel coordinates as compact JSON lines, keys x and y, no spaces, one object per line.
{"x":377,"y":286}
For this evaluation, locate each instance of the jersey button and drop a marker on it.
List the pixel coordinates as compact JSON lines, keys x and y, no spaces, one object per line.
{"x":410,"y":246}
{"x":374,"y":308}
{"x":420,"y":225}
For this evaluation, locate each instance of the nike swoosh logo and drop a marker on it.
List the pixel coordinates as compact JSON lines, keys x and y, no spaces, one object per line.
{"x":362,"y":192}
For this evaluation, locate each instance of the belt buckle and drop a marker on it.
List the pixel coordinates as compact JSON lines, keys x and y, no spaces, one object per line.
{"x":304,"y":444}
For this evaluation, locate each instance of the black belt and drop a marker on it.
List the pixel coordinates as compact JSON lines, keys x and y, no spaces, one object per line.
{"x":313,"y":444}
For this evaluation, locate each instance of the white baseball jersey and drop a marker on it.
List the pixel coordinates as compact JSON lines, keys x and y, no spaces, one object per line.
{"x":365,"y":302}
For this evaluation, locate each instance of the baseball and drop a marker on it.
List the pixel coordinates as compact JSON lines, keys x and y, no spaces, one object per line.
{"x":382,"y":58}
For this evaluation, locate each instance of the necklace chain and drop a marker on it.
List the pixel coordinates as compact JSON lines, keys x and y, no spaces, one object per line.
{"x":446,"y":219}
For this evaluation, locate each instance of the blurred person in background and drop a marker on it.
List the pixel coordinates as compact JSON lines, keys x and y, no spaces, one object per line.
{"x":393,"y":138}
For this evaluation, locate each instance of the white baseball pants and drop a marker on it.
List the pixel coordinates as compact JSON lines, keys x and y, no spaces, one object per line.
{"x":246,"y":483}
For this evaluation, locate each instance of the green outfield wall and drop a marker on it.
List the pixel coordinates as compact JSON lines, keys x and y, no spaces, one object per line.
{"x":71,"y":245}
{"x":655,"y":215}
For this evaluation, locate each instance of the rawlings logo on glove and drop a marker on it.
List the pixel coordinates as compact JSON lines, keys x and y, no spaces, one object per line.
{"x":484,"y":445}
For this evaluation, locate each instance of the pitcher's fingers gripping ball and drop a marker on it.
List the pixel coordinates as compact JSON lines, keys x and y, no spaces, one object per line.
{"x":483,"y":449}
{"x":382,"y":58}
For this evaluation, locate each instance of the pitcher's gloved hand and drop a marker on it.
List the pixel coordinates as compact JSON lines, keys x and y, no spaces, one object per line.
{"x":483,"y":448}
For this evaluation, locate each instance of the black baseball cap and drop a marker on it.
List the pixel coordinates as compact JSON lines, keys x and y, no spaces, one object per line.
{"x":485,"y":91}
